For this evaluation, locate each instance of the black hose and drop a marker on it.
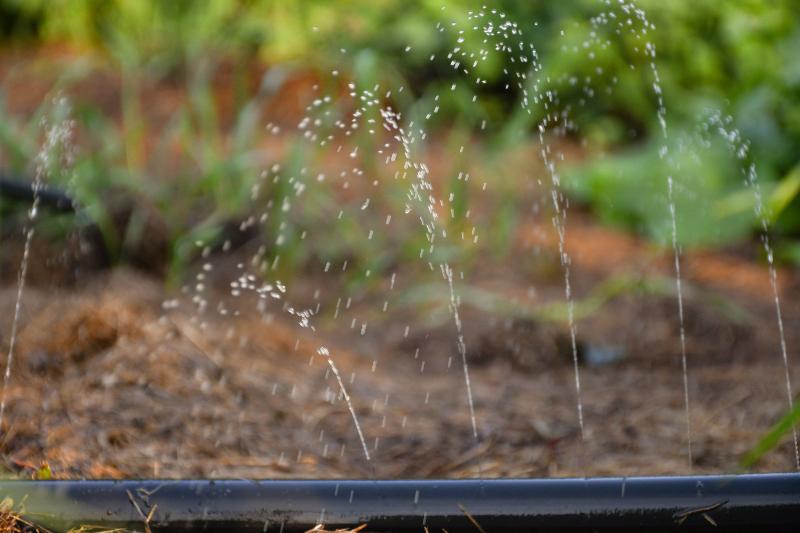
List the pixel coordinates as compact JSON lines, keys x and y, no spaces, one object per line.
{"x":766,"y":502}
{"x":23,"y":191}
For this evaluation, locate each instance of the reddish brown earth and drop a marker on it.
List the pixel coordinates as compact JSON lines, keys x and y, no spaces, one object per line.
{"x":107,"y":383}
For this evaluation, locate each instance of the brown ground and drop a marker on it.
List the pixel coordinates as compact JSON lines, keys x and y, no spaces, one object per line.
{"x":108,"y":384}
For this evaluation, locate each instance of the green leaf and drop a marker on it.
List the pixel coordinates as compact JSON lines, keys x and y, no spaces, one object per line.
{"x":785,"y":192}
{"x":769,"y":441}
{"x":44,"y":472}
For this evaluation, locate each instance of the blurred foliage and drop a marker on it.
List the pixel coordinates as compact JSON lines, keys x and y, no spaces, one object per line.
{"x":629,"y":189}
{"x":738,"y":56}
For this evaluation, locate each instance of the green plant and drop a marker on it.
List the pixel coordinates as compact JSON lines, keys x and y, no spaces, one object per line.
{"x":772,"y":438}
{"x":736,"y":56}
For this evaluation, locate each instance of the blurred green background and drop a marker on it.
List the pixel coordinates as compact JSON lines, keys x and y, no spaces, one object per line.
{"x":217,"y":64}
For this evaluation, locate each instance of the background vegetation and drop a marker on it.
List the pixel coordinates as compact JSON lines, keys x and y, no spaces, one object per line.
{"x":737,"y":57}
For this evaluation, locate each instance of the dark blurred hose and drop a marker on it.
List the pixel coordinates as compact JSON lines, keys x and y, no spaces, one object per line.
{"x":23,"y":191}
{"x":767,"y":502}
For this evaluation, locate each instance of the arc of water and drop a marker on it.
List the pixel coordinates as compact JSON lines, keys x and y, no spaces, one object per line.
{"x":22,"y":276}
{"x":55,"y":135}
{"x":742,"y":151}
{"x":559,"y":221}
{"x":392,"y":124}
{"x":323,"y":351}
{"x":661,"y":115}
